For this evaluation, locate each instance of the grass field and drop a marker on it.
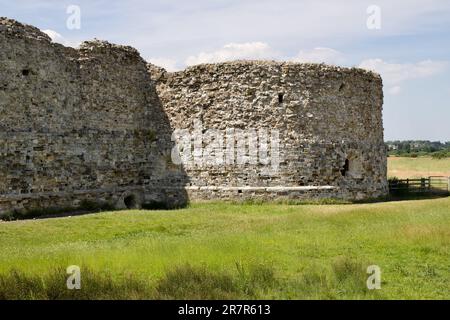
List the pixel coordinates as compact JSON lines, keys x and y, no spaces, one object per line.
{"x":403,"y":167}
{"x":222,"y":250}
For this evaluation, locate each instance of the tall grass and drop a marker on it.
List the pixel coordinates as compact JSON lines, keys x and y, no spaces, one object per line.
{"x":17,"y":285}
{"x":188,"y":282}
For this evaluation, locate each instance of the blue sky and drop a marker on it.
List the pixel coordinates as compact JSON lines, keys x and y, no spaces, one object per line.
{"x":411,"y":49}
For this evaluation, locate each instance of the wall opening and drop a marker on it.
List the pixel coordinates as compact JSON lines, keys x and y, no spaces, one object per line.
{"x":130,"y":202}
{"x":26,"y":72}
{"x":353,"y":167}
{"x":280,"y":98}
{"x":342,"y":86}
{"x":345,"y":168}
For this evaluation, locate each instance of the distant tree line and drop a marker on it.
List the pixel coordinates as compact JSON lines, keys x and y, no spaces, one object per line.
{"x":417,"y":148}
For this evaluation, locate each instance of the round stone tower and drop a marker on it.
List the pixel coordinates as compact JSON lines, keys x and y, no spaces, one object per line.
{"x":322,"y":126}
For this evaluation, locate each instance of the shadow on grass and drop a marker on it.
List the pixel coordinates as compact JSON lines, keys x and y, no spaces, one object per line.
{"x":86,"y":207}
{"x":330,"y":201}
{"x":91,"y":207}
{"x":416,"y":196}
{"x":344,"y":279}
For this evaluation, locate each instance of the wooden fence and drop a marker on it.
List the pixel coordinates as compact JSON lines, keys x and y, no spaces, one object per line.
{"x":434,"y":185}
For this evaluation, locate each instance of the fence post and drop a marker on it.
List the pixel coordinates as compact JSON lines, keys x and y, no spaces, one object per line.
{"x":448,"y":185}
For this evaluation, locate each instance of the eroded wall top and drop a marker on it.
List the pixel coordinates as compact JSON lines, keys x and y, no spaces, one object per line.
{"x":80,"y":121}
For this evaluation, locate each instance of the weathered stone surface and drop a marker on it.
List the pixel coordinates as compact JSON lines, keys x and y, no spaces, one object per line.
{"x":327,"y":115}
{"x":95,"y":124}
{"x":77,"y":124}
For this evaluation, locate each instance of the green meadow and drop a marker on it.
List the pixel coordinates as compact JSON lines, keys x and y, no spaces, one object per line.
{"x":233,"y":251}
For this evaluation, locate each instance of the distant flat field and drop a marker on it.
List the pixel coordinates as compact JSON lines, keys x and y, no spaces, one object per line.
{"x":402,"y":167}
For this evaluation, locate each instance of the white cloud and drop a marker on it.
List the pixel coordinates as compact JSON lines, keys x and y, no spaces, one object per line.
{"x":168,"y":64}
{"x":394,"y":90}
{"x":303,"y":22}
{"x":394,"y":74}
{"x":320,"y":55}
{"x":58,"y":38}
{"x":262,"y":51}
{"x":234,"y":51}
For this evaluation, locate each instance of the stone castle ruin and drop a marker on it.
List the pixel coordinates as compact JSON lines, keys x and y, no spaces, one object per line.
{"x":99,"y":124}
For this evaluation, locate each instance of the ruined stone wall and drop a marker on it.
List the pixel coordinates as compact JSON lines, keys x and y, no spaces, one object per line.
{"x":77,"y":124}
{"x":329,"y":121}
{"x":97,"y":124}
